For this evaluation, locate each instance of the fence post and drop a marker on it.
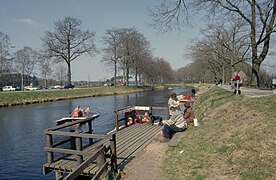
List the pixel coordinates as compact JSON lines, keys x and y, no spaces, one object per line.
{"x":117,"y":121}
{"x":79,"y":148}
{"x":90,"y":130}
{"x":50,"y":155}
{"x":101,"y":160}
{"x":113,"y":153}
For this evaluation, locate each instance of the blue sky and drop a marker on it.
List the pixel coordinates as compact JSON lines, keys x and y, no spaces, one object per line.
{"x":26,"y":21}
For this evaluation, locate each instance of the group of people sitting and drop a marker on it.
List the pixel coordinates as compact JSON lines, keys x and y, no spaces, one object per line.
{"x":178,"y":121}
{"x":78,"y":112}
{"x":181,"y":116}
{"x":133,"y":117}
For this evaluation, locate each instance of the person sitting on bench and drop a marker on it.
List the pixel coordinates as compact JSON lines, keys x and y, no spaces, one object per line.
{"x":176,"y":123}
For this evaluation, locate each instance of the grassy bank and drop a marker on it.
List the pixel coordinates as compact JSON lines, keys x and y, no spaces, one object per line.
{"x":236,"y":139}
{"x":30,"y":97}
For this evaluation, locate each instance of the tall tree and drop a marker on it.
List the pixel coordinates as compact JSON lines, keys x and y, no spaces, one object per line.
{"x":4,"y":53}
{"x":111,"y":51}
{"x":45,"y":68}
{"x":68,"y":42}
{"x":128,"y":39}
{"x":24,"y":63}
{"x":259,"y":14}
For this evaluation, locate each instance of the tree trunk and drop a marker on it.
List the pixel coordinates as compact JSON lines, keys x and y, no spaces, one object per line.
{"x":69,"y":73}
{"x":136,"y":76}
{"x":127,"y":76}
{"x":115,"y":73}
{"x":255,"y":73}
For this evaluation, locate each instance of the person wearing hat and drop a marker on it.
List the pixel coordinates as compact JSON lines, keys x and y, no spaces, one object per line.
{"x":173,"y":101}
{"x":176,"y":123}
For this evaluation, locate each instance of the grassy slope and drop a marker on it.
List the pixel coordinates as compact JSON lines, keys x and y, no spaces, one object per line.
{"x":29,"y":97}
{"x":236,"y":139}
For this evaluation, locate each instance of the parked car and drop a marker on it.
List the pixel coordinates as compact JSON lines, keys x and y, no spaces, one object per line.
{"x":69,"y":86}
{"x":8,"y":88}
{"x":31,"y":88}
{"x":57,"y":87}
{"x":18,"y":88}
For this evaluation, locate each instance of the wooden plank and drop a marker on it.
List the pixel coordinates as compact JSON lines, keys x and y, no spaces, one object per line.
{"x":144,"y":139}
{"x":123,"y":145}
{"x":129,"y":147}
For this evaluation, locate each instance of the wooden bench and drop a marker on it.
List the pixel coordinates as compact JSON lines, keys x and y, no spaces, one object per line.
{"x":176,"y":139}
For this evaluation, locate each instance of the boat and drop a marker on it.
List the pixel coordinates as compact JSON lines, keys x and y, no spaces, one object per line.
{"x":70,"y":119}
{"x":170,"y":88}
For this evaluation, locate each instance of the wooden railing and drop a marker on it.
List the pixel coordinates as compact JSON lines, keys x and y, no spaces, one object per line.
{"x":100,"y":151}
{"x":121,"y":118}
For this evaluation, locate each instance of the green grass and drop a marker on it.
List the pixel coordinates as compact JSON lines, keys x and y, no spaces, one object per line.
{"x":30,"y":97}
{"x":235,"y":140}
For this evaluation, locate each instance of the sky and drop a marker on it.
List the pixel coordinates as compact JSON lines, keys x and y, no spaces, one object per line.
{"x":26,"y":21}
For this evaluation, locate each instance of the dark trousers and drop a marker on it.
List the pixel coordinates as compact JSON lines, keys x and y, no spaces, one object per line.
{"x":170,"y":130}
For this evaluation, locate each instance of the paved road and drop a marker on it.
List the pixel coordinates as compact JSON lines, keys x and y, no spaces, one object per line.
{"x":251,"y":92}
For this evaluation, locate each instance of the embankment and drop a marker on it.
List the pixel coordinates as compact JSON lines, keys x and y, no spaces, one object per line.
{"x":235,"y":140}
{"x":31,"y":97}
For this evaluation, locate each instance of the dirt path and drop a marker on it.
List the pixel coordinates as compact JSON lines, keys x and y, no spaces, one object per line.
{"x":147,"y":164}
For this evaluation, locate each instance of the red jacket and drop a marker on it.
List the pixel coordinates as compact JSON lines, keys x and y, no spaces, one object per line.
{"x":237,"y":78}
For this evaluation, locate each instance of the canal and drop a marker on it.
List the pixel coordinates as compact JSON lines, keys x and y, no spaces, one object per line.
{"x":21,"y":134}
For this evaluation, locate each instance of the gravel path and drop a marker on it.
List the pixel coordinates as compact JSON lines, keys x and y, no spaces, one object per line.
{"x":250,"y":92}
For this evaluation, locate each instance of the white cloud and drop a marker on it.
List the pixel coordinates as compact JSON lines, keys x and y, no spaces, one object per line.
{"x":28,"y":22}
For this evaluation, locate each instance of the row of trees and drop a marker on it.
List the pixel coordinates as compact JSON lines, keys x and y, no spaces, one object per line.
{"x":126,"y":49}
{"x":129,"y":51}
{"x":245,"y":39}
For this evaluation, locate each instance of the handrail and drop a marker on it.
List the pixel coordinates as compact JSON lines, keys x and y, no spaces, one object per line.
{"x":74,"y":134}
{"x":74,"y":174}
{"x":121,"y":111}
{"x":100,"y":150}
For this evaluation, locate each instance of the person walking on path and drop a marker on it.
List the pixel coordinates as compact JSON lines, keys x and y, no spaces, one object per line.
{"x":236,"y":83}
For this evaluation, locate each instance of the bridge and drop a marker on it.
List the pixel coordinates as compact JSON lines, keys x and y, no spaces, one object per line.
{"x":83,"y":154}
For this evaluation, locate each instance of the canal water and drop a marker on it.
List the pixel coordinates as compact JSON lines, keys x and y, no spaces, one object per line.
{"x":22,"y":140}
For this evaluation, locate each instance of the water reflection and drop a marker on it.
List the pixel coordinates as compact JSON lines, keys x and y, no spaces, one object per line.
{"x":21,"y":135}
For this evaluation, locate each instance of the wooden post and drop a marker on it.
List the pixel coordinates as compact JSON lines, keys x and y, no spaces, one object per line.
{"x":90,"y":130}
{"x":79,"y":148}
{"x":117,"y":121}
{"x":150,"y":111}
{"x":58,"y":175}
{"x":113,"y":153}
{"x":50,"y":155}
{"x":101,"y":160}
{"x":73,"y":143}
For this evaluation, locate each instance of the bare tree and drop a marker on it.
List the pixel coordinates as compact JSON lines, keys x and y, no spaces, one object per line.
{"x":169,"y":15}
{"x":4,"y":53}
{"x":258,"y":14}
{"x":127,"y":50}
{"x":60,"y":73}
{"x":68,"y":42}
{"x":111,"y":54}
{"x":260,"y":17}
{"x":45,"y":68}
{"x":24,"y":62}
